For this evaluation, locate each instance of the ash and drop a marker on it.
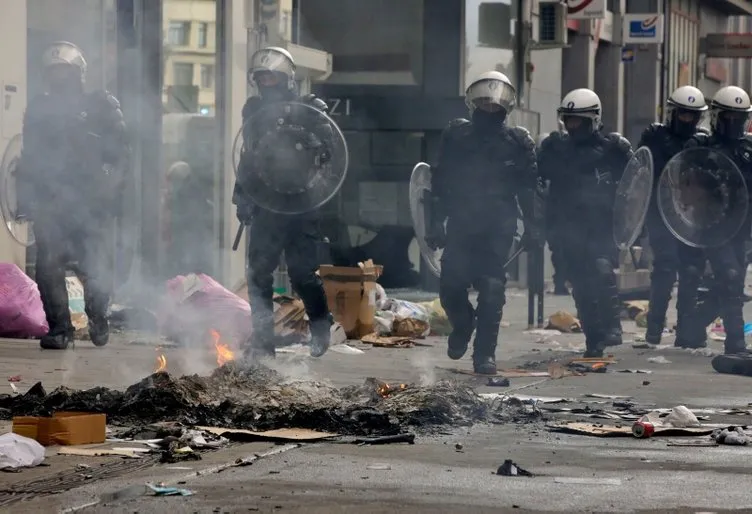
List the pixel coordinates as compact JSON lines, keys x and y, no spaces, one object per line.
{"x":258,"y":398}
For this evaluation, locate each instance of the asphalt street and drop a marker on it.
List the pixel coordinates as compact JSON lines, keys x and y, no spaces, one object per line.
{"x":573,"y":473}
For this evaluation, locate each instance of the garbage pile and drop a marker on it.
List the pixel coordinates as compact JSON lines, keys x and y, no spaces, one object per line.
{"x":258,"y":398}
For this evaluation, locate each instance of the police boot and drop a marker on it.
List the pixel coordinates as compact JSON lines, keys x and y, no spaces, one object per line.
{"x":690,"y":333}
{"x":491,"y":300}
{"x":593,"y":343}
{"x":459,"y":340}
{"x":56,"y":341}
{"x":461,"y":316}
{"x":261,"y":344}
{"x":609,"y":306}
{"x":733,"y":324}
{"x":321,"y":336}
{"x":654,"y":332}
{"x":99,"y":330}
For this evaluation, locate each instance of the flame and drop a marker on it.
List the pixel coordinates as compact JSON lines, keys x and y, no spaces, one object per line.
{"x":161,"y":363}
{"x":385,"y":389}
{"x":224,"y":354}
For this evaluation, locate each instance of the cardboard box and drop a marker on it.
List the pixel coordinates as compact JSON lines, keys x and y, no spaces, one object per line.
{"x":63,"y":428}
{"x":351,"y":294}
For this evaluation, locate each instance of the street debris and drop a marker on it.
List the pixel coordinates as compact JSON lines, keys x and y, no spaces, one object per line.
{"x":351,"y":294}
{"x":660,"y":359}
{"x":17,"y":451}
{"x":498,"y":382}
{"x":388,"y":341}
{"x":379,"y":466}
{"x":733,"y":436}
{"x":21,"y":312}
{"x":258,"y":399}
{"x":282,"y":434}
{"x":511,"y":469}
{"x":63,"y":428}
{"x":387,"y":439}
{"x":563,"y":321}
{"x":168,"y":491}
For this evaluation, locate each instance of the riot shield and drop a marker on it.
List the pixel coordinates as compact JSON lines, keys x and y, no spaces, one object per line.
{"x":18,"y":226}
{"x":633,"y":198}
{"x":702,"y":197}
{"x":290,"y":158}
{"x":420,"y":191}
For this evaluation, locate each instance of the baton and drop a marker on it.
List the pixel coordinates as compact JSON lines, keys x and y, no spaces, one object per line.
{"x":238,"y":235}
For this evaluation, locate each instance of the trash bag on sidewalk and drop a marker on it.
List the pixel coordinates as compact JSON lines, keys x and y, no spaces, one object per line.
{"x":21,"y":310}
{"x":197,"y":304}
{"x":17,"y":451}
{"x":437,"y":318}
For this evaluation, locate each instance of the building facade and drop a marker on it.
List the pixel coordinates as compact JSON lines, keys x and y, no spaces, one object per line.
{"x":392,"y":71}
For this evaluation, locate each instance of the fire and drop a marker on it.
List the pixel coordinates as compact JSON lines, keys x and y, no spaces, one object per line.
{"x":224,"y":354}
{"x":161,"y":363}
{"x":385,"y":389}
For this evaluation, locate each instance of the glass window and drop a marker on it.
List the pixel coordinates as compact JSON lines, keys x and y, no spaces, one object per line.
{"x":179,"y":33}
{"x":489,"y":38}
{"x":382,"y":43}
{"x":182,"y":74}
{"x":203,"y":34}
{"x":207,"y":76}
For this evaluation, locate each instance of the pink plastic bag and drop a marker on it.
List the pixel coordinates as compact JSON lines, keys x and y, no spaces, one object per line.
{"x":21,"y":310}
{"x":197,"y":304}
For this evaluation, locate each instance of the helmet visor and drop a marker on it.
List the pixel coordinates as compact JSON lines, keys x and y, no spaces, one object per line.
{"x":270,"y":60}
{"x":491,"y":95}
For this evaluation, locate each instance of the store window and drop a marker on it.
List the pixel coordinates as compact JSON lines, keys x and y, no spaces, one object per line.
{"x":207,"y":76}
{"x":381,"y":43}
{"x":489,"y":38}
{"x":203,"y":34}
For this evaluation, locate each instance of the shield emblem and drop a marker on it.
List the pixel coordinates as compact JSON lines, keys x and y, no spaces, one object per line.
{"x":633,"y":198}
{"x":15,"y":221}
{"x":702,"y":197}
{"x":290,"y":158}
{"x":420,"y":192}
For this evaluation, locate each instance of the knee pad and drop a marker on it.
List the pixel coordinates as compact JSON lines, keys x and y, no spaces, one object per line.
{"x":492,"y":290}
{"x":603,"y":266}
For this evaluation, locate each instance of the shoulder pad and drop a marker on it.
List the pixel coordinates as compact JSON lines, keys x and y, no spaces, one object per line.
{"x":103,"y":97}
{"x":315,"y":101}
{"x":522,"y":136}
{"x":551,"y":139}
{"x":620,"y":142}
{"x":252,"y":105}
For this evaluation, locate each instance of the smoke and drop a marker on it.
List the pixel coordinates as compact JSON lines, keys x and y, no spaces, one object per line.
{"x":426,"y":368}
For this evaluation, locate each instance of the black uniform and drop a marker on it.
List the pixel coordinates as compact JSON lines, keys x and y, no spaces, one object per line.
{"x":670,"y":256}
{"x":583,"y":175}
{"x":271,"y":234}
{"x":481,"y":170}
{"x":728,"y":262}
{"x":73,"y":166}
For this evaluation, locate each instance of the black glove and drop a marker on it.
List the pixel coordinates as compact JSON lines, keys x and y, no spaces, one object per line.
{"x":436,"y":236}
{"x":245,"y":212}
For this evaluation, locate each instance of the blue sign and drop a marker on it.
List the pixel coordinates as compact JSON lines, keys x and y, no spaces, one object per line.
{"x":627,"y":55}
{"x":643,"y":28}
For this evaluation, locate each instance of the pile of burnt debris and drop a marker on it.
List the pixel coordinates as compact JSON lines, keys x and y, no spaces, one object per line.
{"x":258,"y":398}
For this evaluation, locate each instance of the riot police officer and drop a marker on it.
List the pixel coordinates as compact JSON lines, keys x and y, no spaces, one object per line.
{"x":73,"y":166}
{"x":730,"y":111}
{"x":686,"y":106}
{"x":583,"y":167}
{"x":483,"y":167}
{"x":272,"y":72}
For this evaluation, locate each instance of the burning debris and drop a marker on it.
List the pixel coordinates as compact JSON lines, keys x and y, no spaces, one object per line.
{"x":258,"y":398}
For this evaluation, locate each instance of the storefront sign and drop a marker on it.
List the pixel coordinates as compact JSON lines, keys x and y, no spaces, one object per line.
{"x":586,"y":9}
{"x":728,"y":45}
{"x":643,"y":28}
{"x":339,"y":106}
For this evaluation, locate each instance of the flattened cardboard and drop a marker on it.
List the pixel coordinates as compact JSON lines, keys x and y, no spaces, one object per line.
{"x":599,"y":430}
{"x":98,"y":452}
{"x":280,"y":434}
{"x":63,"y":428}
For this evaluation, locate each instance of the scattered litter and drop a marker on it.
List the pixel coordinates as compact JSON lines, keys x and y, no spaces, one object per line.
{"x":637,"y":371}
{"x":282,"y":434}
{"x":345,"y":349}
{"x":607,"y":396}
{"x":21,"y":310}
{"x":717,"y":336}
{"x":511,"y":469}
{"x":388,"y":341}
{"x":636,"y":307}
{"x":620,"y":430}
{"x":96,"y":452}
{"x":543,"y":332}
{"x":458,"y":447}
{"x":563,"y":321}
{"x":733,"y":436}
{"x":14,"y":378}
{"x":659,"y":359}
{"x":17,"y":451}
{"x":498,"y":382}
{"x":379,"y":466}
{"x":133,"y":450}
{"x":168,"y":491}
{"x":387,"y":439}
{"x":587,"y":481}
{"x":14,"y":388}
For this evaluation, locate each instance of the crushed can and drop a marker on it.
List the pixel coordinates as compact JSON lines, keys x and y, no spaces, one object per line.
{"x":643,"y":429}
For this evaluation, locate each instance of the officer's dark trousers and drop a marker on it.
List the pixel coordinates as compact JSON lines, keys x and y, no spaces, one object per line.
{"x":558,"y":260}
{"x":592,"y":257}
{"x":475,"y":258}
{"x":85,"y":250}
{"x":691,"y":267}
{"x":664,"y":246}
{"x":298,"y":237}
{"x":728,"y":263}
